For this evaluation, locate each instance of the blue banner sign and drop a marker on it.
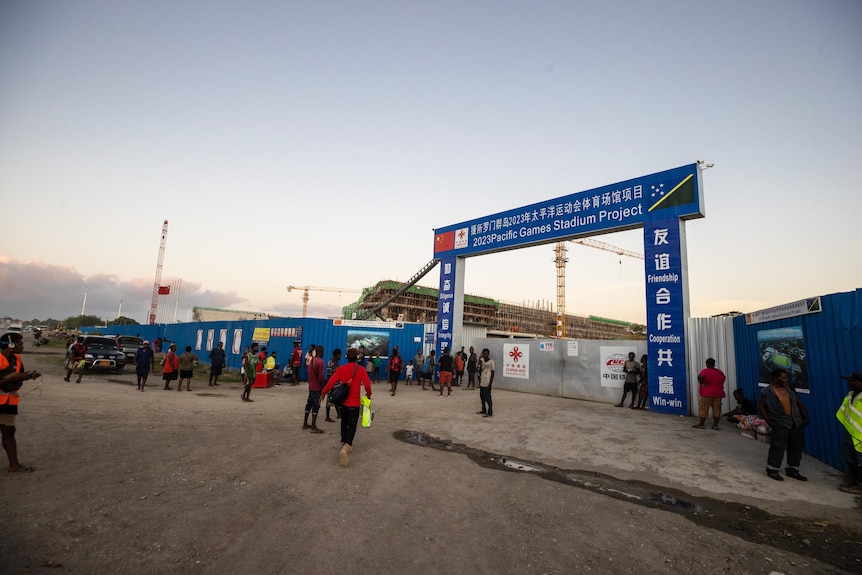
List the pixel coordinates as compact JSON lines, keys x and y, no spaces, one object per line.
{"x":621,"y":206}
{"x":666,"y":315}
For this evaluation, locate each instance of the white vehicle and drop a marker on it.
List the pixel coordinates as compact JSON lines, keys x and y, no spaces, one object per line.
{"x":16,"y":327}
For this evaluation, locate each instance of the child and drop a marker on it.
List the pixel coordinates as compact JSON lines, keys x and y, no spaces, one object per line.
{"x":409,"y":372}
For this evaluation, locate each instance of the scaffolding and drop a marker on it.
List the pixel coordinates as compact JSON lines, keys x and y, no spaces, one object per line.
{"x":419,"y":304}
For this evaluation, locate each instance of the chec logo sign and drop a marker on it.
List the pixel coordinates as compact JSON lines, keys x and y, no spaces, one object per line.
{"x":616,"y":362}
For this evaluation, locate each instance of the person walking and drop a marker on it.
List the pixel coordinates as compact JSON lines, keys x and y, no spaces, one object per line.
{"x":395,"y":365}
{"x":377,"y":362}
{"x":357,"y":379}
{"x":250,"y":362}
{"x":711,"y":390}
{"x":171,"y":368}
{"x":486,"y":380}
{"x":12,"y":377}
{"x":217,"y":363}
{"x":242,"y":365}
{"x":76,"y":359}
{"x":472,"y":365}
{"x":418,"y":365}
{"x":781,"y":408}
{"x":850,"y":416}
{"x":331,"y":366}
{"x":187,"y":368}
{"x":460,"y":365}
{"x":643,"y":384}
{"x":631,"y":368}
{"x":145,"y":360}
{"x":408,"y":372}
{"x":296,"y":362}
{"x":316,"y":381}
{"x":428,"y":370}
{"x":447,"y":366}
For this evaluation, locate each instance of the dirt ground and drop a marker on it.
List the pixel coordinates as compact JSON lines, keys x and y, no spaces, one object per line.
{"x":200,"y":482}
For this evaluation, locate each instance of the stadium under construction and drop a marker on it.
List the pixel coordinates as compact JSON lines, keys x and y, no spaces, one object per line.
{"x":500,"y":319}
{"x":495,"y":318}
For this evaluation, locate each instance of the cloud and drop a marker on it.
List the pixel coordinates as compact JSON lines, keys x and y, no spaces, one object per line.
{"x":36,"y":290}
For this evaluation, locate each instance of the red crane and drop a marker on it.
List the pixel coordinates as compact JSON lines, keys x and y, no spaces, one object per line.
{"x":156,"y":284}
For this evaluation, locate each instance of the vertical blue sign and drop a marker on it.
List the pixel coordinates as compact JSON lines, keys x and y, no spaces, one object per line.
{"x":666,"y":316}
{"x":445,"y":308}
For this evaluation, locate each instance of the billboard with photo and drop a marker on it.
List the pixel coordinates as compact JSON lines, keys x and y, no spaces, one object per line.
{"x":785,"y":348}
{"x":373,"y":341}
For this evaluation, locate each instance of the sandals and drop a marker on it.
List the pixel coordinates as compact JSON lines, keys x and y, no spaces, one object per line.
{"x":22,"y":469}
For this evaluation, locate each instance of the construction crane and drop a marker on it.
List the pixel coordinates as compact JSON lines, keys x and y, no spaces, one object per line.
{"x":561,"y":260}
{"x":306,"y":289}
{"x":154,"y":305}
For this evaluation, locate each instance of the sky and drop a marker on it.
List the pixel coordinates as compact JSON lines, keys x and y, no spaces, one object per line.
{"x":320,"y":144}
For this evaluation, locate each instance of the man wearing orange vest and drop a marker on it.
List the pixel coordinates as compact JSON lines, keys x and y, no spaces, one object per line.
{"x":12,"y":377}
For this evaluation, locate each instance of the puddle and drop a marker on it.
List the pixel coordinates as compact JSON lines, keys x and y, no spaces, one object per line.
{"x":819,"y":540}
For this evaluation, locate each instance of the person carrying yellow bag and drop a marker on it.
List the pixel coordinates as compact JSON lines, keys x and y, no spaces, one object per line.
{"x":367,"y":414}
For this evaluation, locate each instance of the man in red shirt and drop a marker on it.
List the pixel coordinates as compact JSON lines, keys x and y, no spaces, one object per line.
{"x":296,"y":361}
{"x":76,"y":356}
{"x":358,"y":378}
{"x":711,"y":393}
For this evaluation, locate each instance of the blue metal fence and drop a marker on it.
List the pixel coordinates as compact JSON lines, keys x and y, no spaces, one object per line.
{"x":833,"y":347}
{"x":283,"y":333}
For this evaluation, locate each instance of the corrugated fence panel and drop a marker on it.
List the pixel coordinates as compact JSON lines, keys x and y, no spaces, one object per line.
{"x":833,"y":347}
{"x":711,"y":337}
{"x":283,"y":333}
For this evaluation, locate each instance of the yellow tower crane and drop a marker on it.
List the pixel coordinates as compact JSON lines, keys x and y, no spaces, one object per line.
{"x":561,"y":260}
{"x":306,"y":289}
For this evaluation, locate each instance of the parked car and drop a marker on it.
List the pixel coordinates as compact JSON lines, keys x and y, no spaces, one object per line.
{"x":129,"y":344}
{"x":103,"y":354}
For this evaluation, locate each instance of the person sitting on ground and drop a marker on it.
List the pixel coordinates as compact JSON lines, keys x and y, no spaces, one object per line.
{"x":744,"y":406}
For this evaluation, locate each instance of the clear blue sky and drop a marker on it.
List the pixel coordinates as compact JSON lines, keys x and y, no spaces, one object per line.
{"x":320,"y":143}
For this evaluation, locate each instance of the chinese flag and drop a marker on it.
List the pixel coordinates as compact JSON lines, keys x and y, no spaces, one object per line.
{"x":444,"y":242}
{"x":164,"y":290}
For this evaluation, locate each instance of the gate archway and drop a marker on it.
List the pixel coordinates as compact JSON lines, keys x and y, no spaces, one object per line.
{"x":659,"y":203}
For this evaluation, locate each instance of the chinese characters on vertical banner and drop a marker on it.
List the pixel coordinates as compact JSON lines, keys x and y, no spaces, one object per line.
{"x":665,"y":307}
{"x":444,"y":305}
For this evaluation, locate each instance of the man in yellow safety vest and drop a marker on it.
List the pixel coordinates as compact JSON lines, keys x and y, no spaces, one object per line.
{"x":850,"y":416}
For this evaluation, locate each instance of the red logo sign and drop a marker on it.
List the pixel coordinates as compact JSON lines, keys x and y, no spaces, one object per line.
{"x":515,"y":354}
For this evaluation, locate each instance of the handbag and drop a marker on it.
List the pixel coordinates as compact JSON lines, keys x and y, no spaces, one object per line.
{"x":367,"y":415}
{"x":341,"y":390}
